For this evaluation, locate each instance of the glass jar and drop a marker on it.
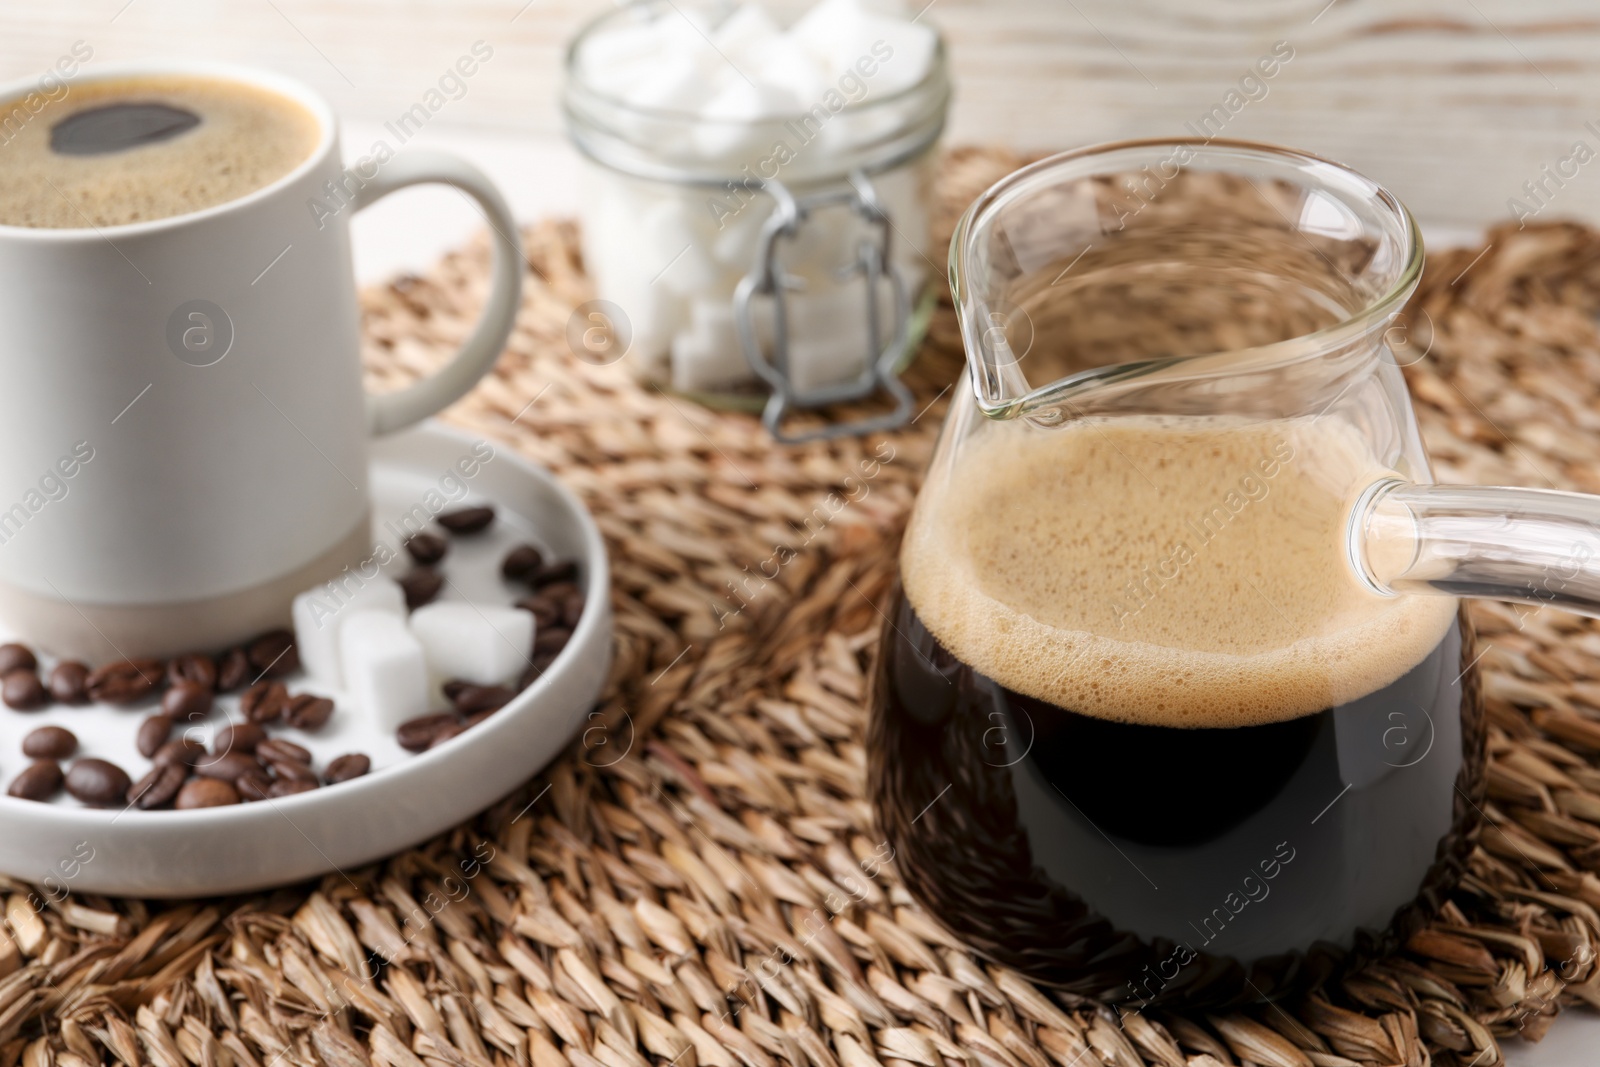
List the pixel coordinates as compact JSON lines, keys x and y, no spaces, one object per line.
{"x":775,"y":262}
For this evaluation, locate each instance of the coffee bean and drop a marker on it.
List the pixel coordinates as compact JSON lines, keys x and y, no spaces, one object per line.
{"x":546,"y":612}
{"x":264,"y":701}
{"x":308,"y":712}
{"x":474,"y":698}
{"x":344,"y":768}
{"x":153,"y":733}
{"x":126,"y":681}
{"x":273,"y":654}
{"x":253,"y":785}
{"x":69,"y":682}
{"x":234,"y":671}
{"x":558,"y":592}
{"x":179,"y":752}
{"x":97,"y":782}
{"x":530,"y":675}
{"x":15,"y":657}
{"x":225,"y":765}
{"x":38,"y":781}
{"x":415,"y":734}
{"x":157,"y":788}
{"x":426,"y":548}
{"x":466,"y":520}
{"x":196,"y":667}
{"x":420,"y":585}
{"x":292,"y":770}
{"x":453,"y":730}
{"x":50,"y":742}
{"x":22,"y":690}
{"x":452,"y":687}
{"x":551,"y":573}
{"x":206,"y":793}
{"x":552,"y":640}
{"x":276,"y":748}
{"x":238,"y":737}
{"x":521,"y":562}
{"x":187,"y":701}
{"x":572,"y":611}
{"x":473,"y":720}
{"x":288,"y":787}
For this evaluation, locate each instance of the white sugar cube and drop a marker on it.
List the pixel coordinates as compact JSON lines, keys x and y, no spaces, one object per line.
{"x":384,"y":669}
{"x":708,"y":355}
{"x":741,"y":32}
{"x":319,"y":615}
{"x":484,"y":645}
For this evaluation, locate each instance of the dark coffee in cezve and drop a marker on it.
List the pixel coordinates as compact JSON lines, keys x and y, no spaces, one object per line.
{"x":1137,"y":731}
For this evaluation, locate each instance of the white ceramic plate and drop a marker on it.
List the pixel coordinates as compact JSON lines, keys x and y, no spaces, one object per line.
{"x":406,"y":798}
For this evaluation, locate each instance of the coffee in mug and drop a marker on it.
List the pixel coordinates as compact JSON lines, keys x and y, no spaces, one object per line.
{"x":183,"y":428}
{"x":148,"y":147}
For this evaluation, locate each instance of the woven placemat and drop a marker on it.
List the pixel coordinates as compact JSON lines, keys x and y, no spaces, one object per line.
{"x":698,"y":880}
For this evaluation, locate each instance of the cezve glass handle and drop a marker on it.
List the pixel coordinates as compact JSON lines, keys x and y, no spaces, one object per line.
{"x":1531,"y":546}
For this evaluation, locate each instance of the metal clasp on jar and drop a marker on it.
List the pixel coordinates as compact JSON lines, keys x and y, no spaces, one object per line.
{"x":768,"y":278}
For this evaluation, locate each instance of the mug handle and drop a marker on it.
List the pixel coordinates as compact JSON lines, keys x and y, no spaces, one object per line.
{"x":388,"y":412}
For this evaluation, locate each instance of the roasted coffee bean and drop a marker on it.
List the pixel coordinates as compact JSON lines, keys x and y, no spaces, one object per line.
{"x":546,"y":612}
{"x":551,"y":573}
{"x":276,"y":748}
{"x":420,"y":585}
{"x":196,"y":667}
{"x":521,"y":562}
{"x":22,"y":690}
{"x":225,"y":765}
{"x":308,"y":712}
{"x":153,"y":733}
{"x":157,"y":788}
{"x":475,"y":698}
{"x":126,"y":681}
{"x":15,"y":657}
{"x":254,"y":785}
{"x":452,"y":687}
{"x":530,"y":675}
{"x":572,"y":611}
{"x":179,"y":752}
{"x":453,"y":730}
{"x":187,"y":701}
{"x":344,"y":768}
{"x":293,"y":770}
{"x":473,"y":720}
{"x":69,"y":682}
{"x":264,"y":701}
{"x":466,"y":520}
{"x":273,"y":654}
{"x":558,"y":592}
{"x":50,"y":742}
{"x":206,"y":793}
{"x":552,"y":640}
{"x":234,"y":671}
{"x":415,"y":734}
{"x":426,"y":548}
{"x":97,"y":782}
{"x":238,"y":737}
{"x":38,"y":781}
{"x":288,"y":787}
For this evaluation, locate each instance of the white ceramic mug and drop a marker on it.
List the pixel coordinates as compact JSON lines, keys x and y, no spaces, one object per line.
{"x":183,"y":431}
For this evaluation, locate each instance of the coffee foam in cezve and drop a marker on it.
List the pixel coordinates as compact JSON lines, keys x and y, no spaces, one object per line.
{"x":1167,"y":571}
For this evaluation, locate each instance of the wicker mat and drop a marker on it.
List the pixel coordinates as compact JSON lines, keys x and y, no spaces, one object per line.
{"x":696,"y":881}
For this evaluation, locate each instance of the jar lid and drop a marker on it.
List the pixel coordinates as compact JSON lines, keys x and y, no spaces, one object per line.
{"x":650,"y":133}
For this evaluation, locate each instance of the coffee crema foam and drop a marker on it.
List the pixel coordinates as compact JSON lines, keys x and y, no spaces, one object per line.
{"x":1185,"y":572}
{"x":246,"y":138}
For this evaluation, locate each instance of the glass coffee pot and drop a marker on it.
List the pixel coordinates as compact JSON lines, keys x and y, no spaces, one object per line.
{"x":1176,"y":703}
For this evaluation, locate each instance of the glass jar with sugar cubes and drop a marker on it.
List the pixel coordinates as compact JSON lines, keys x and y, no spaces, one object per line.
{"x":757,"y":199}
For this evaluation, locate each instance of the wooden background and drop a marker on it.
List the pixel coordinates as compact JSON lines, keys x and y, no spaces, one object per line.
{"x":1453,"y":103}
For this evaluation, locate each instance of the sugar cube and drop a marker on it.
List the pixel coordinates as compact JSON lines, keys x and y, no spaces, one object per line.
{"x":484,"y":645}
{"x":319,"y":615}
{"x":385,"y":673}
